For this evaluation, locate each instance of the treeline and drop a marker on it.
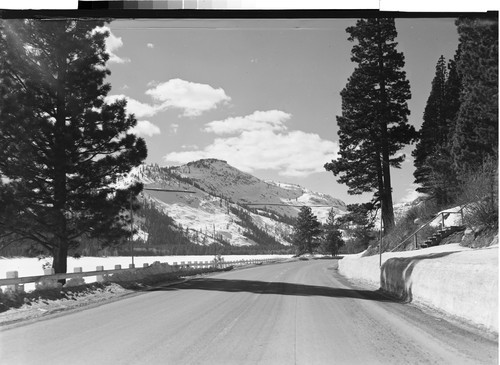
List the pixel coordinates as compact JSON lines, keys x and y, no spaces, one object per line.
{"x":456,"y":152}
{"x":458,"y":140}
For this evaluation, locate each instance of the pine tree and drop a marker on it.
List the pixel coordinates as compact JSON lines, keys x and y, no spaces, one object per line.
{"x":62,"y":147}
{"x":374,"y":122}
{"x":475,"y":138}
{"x":306,"y":231}
{"x":434,"y":170}
{"x":332,"y":240}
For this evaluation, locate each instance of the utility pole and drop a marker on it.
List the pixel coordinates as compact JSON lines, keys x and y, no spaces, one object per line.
{"x":131,"y":231}
{"x":380,"y":244}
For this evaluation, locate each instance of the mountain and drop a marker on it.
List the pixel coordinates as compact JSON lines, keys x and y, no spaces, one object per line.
{"x":224,"y":204}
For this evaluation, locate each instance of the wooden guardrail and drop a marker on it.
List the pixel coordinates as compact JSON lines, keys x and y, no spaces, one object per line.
{"x":13,"y":281}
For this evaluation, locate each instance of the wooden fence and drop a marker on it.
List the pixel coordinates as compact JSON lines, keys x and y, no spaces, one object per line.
{"x":16,"y":283}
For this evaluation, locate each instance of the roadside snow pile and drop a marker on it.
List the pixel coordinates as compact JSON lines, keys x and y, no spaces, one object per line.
{"x":460,"y":281}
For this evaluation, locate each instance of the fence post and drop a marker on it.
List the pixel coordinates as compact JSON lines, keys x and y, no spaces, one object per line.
{"x":99,"y":278}
{"x":118,"y":267}
{"x":442,"y":221}
{"x":145,"y":264}
{"x":131,"y":266}
{"x":416,"y":242}
{"x":12,"y":275}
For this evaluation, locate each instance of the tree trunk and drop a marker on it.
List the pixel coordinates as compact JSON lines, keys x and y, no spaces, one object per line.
{"x":60,"y":254}
{"x":386,"y":198}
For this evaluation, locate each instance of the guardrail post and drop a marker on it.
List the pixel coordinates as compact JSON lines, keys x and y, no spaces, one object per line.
{"x":416,"y":242}
{"x":118,"y":267}
{"x":145,"y":265}
{"x":77,"y":269}
{"x":49,"y":271}
{"x":12,"y":275}
{"x":99,"y":278}
{"x":131,"y":266}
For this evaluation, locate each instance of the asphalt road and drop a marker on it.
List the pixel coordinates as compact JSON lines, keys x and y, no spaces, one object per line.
{"x":292,"y":313}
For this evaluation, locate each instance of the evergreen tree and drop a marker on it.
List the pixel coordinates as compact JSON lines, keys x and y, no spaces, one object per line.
{"x":306,"y":231}
{"x":434,"y":170}
{"x":62,"y":147}
{"x":475,"y":138}
{"x":332,"y":241}
{"x":374,"y":122}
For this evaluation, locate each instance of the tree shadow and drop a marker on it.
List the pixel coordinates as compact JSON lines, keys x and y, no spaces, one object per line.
{"x":275,"y":288}
{"x":396,"y":274}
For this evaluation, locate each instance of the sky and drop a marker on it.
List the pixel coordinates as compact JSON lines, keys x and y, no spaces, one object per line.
{"x":261,"y":94}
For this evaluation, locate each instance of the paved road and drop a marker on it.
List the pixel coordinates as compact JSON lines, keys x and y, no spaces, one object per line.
{"x":293,"y":313}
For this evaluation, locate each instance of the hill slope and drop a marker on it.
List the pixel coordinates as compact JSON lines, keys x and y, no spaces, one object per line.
{"x":226,"y":205}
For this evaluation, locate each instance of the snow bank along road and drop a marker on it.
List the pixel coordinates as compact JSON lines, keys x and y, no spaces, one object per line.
{"x":459,"y":281}
{"x":300,"y":312}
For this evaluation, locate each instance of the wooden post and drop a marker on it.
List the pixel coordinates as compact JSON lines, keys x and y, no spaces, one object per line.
{"x":99,"y":278}
{"x":12,"y":275}
{"x":118,"y":267}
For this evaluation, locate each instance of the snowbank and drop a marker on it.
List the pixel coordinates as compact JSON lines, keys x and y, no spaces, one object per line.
{"x":460,"y":281}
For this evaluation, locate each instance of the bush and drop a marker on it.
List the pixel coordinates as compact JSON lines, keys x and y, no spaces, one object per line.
{"x":480,"y":192}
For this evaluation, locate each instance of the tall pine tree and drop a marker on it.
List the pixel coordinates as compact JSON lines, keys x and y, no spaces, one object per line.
{"x":61,"y":147}
{"x":434,"y":170}
{"x":374,"y":125}
{"x":475,"y":137}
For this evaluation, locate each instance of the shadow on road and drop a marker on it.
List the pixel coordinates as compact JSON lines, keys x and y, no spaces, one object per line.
{"x":278,"y":288}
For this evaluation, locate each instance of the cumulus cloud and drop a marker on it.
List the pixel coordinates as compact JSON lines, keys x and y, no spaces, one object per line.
{"x":294,"y":153}
{"x":136,"y":107}
{"x":150,"y":45}
{"x":267,"y":120}
{"x":112,"y":44}
{"x":145,"y":128}
{"x":191,"y":97}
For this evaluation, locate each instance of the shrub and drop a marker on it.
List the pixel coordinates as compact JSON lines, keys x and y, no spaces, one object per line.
{"x":479,"y":190}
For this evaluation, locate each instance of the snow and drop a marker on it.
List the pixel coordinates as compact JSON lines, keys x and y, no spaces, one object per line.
{"x":460,"y":281}
{"x":34,"y":266}
{"x":448,"y":217}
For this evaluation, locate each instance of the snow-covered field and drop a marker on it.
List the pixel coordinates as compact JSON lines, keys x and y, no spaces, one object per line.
{"x":459,"y":281}
{"x":33,"y":266}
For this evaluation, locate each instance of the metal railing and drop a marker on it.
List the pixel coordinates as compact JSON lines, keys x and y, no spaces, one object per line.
{"x":414,"y":234}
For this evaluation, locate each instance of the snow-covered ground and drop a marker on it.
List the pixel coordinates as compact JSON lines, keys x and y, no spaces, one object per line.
{"x":33,"y":266}
{"x":460,"y":281}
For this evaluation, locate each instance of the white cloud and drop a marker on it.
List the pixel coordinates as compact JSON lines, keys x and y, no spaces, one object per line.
{"x":411,"y":194}
{"x":191,"y":97}
{"x":294,"y":153}
{"x":136,"y":107}
{"x":150,"y":45}
{"x":268,"y":120}
{"x":145,"y":128}
{"x":112,"y":44}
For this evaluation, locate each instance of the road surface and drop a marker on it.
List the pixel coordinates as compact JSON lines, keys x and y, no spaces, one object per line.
{"x":291,"y":313}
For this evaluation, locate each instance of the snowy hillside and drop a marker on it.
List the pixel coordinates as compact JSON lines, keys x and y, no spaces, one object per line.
{"x":227,"y":203}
